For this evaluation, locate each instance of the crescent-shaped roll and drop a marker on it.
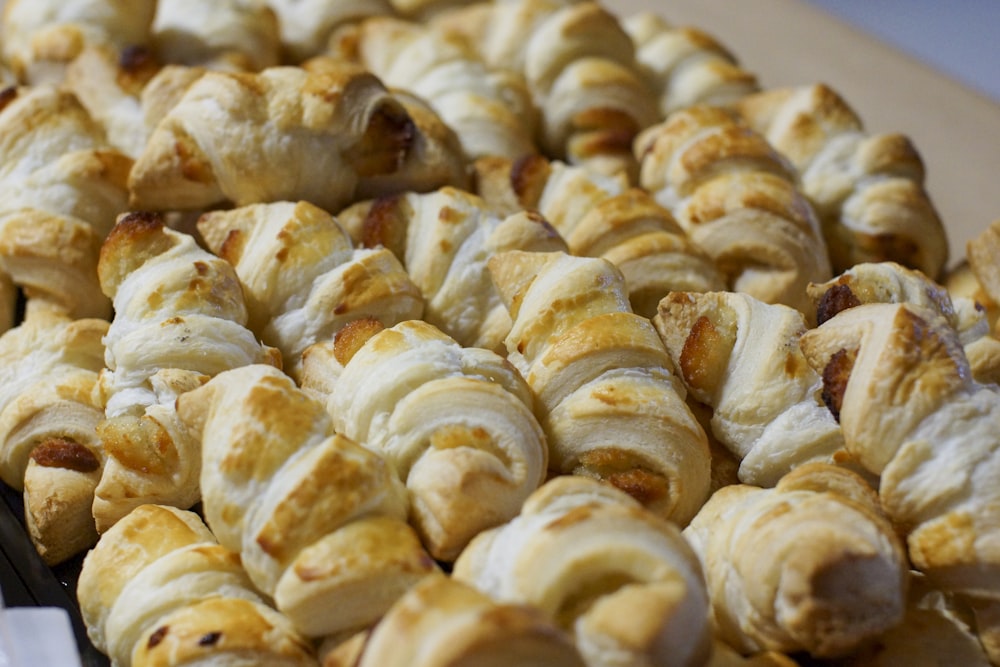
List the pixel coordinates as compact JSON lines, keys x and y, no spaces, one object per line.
{"x":157,"y":589}
{"x":739,"y":200}
{"x":306,"y":25}
{"x":180,"y":318}
{"x":318,"y":520}
{"x":867,"y":189}
{"x":620,"y":579}
{"x":810,"y":565}
{"x":303,"y":279}
{"x":455,"y":422}
{"x":740,"y":357}
{"x":606,"y":392}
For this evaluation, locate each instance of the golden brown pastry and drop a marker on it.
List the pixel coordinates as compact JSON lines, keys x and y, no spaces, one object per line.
{"x":455,"y":423}
{"x":442,"y":621}
{"x":621,"y":580}
{"x":606,"y":393}
{"x":319,"y":521}
{"x":41,"y":37}
{"x":889,"y":282}
{"x":977,"y":276}
{"x":580,"y":68}
{"x":302,"y":279}
{"x":329,"y":137}
{"x":601,"y":216}
{"x":306,"y":25}
{"x":159,"y":590}
{"x":49,"y":450}
{"x":868,"y":189}
{"x":811,"y":565}
{"x":898,"y":380}
{"x":61,"y":187}
{"x":738,"y":200}
{"x":685,"y":65}
{"x":740,"y":357}
{"x":444,"y":239}
{"x":180,"y":318}
{"x":490,"y":108}
{"x":231,"y":34}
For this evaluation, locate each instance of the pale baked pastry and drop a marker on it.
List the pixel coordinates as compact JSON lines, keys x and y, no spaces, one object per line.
{"x":739,"y":200}
{"x":740,"y":357}
{"x":601,"y":216}
{"x":302,"y":278}
{"x":227,"y":34}
{"x":40,"y":38}
{"x":61,"y":188}
{"x":49,"y":450}
{"x":180,"y":318}
{"x":490,"y":108}
{"x":456,"y":424}
{"x":620,"y":579}
{"x":318,"y":520}
{"x":811,"y":565}
{"x":445,"y":622}
{"x":899,"y":382}
{"x":889,"y":282}
{"x":329,"y":136}
{"x":306,"y":25}
{"x":580,"y":68}
{"x":867,"y":189}
{"x":982,"y":277}
{"x":606,"y":392}
{"x":685,"y":65}
{"x":444,"y":239}
{"x":159,"y":590}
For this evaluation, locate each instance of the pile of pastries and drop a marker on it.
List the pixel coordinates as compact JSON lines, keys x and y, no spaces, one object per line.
{"x":429,"y":332}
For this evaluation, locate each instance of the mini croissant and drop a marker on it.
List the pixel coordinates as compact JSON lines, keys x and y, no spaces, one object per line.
{"x":455,"y":422}
{"x":159,"y":590}
{"x":607,"y":396}
{"x":319,"y":521}
{"x":620,"y":579}
{"x":811,"y":565}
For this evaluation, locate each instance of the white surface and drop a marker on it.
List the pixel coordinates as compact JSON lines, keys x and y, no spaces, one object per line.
{"x":959,"y":39}
{"x":36,"y":637}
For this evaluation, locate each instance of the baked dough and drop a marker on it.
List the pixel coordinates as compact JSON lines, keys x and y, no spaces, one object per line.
{"x":302,"y":278}
{"x":319,"y":521}
{"x":228,"y":34}
{"x":606,"y":392}
{"x":738,"y":200}
{"x":621,"y":580}
{"x":811,"y":565}
{"x":455,"y":423}
{"x":306,"y":25}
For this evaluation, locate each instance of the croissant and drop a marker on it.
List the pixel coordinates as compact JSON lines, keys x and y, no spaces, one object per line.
{"x":180,"y":318}
{"x":61,"y":187}
{"x":302,"y":279}
{"x":306,"y":25}
{"x":327,"y":136}
{"x":620,"y":579}
{"x":442,"y":621}
{"x":685,"y":65}
{"x":896,"y":377}
{"x":889,"y":282}
{"x":980,"y":270}
{"x":456,"y":423}
{"x":607,"y":396}
{"x":489,"y":108}
{"x":159,"y":590}
{"x":602,"y":216}
{"x":234,"y":34}
{"x":320,"y":522}
{"x":49,"y":365}
{"x":41,"y":37}
{"x":811,"y":565}
{"x":867,"y":189}
{"x":740,"y":357}
{"x":580,"y":68}
{"x":444,"y":239}
{"x":738,"y":200}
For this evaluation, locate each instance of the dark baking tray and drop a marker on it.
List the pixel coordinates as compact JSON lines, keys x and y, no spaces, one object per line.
{"x":27,"y":581}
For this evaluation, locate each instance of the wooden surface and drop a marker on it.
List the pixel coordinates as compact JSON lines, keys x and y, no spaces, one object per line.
{"x":788,"y":42}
